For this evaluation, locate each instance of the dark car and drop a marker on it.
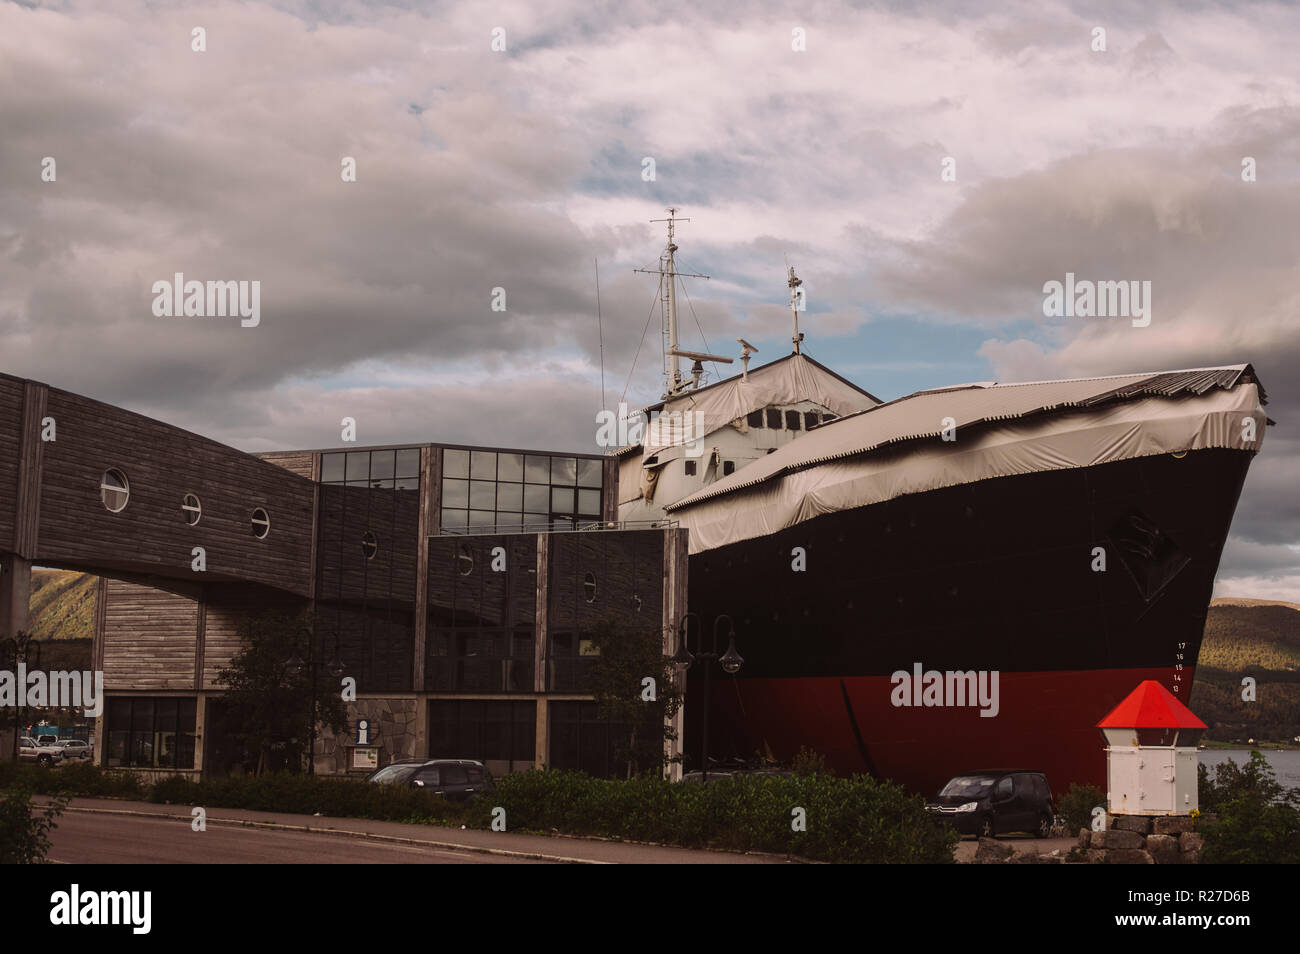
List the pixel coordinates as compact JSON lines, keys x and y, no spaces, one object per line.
{"x":995,"y":802}
{"x":456,"y":779}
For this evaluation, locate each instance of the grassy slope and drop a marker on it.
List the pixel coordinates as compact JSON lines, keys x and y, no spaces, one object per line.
{"x":1256,"y":638}
{"x":62,"y":605}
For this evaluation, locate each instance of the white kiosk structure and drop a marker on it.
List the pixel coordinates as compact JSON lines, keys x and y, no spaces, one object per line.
{"x":1151,"y":741}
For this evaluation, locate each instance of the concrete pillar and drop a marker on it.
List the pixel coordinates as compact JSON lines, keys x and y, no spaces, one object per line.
{"x":15,"y":593}
{"x":541,"y":751}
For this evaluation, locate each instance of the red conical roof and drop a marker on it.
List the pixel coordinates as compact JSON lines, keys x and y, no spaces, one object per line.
{"x":1151,"y":706}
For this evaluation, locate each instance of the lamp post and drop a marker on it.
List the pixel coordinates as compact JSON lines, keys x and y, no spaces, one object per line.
{"x":730,"y":661}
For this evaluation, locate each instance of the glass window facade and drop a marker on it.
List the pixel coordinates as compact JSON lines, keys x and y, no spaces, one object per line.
{"x":486,"y":490}
{"x":388,"y":469}
{"x":481,"y":635}
{"x":502,"y":734}
{"x":151,"y":732}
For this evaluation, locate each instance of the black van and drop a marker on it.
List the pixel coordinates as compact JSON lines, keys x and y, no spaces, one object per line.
{"x":995,"y":802}
{"x":456,"y":779}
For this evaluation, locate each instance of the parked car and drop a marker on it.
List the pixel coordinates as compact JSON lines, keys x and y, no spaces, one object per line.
{"x":995,"y":802}
{"x":456,"y":779}
{"x":75,"y":748}
{"x":30,"y":751}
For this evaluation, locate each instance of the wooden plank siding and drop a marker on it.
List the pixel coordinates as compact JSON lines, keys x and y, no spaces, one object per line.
{"x":301,"y":463}
{"x":149,"y":638}
{"x":225,"y":609}
{"x":162,"y":464}
{"x":11,"y":429}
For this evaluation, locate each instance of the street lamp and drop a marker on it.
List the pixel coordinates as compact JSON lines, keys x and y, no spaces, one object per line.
{"x":730,"y":662}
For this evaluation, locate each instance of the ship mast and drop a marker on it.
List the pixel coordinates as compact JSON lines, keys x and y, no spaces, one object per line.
{"x":796,"y":299}
{"x":668,"y":275}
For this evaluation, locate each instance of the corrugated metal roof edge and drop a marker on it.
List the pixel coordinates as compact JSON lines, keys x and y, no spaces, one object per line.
{"x":712,"y":493}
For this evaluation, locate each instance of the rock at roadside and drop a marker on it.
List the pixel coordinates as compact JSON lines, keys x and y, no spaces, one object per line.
{"x":1117,"y":839}
{"x":1191,"y":844}
{"x":1164,"y":849}
{"x":1138,"y":823}
{"x":1175,"y":824}
{"x":1084,"y":835}
{"x":993,"y":852}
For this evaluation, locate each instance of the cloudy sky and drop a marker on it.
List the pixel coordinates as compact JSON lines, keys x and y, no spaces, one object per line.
{"x":522,"y":168}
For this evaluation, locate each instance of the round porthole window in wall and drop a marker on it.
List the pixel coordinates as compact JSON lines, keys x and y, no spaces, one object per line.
{"x":589,"y":587}
{"x":192,"y":509}
{"x":465,"y":562}
{"x":261,"y":523}
{"x":114,"y":490}
{"x":369,"y":545}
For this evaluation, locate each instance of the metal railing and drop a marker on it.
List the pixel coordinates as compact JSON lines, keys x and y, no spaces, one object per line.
{"x":558,"y":526}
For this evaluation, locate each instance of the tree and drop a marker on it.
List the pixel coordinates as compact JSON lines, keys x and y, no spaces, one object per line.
{"x":639,"y":712}
{"x":1258,"y":819}
{"x":271,"y":694}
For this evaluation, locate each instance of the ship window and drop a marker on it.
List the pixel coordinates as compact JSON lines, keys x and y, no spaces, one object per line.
{"x":728,"y":467}
{"x":589,"y":587}
{"x":114,"y":490}
{"x":690,"y":468}
{"x":792,"y":420}
{"x":810,"y":420}
{"x":774,"y":418}
{"x":755,"y":418}
{"x":369,"y":545}
{"x":192,"y":509}
{"x":465,"y":562}
{"x":828,"y":417}
{"x":261,"y":523}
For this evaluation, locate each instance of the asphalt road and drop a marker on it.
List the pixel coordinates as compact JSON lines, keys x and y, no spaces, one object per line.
{"x":107,"y":831}
{"x":84,"y":838}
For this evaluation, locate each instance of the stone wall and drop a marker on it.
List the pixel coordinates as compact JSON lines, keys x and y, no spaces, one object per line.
{"x":1145,"y":840}
{"x":392,"y":728}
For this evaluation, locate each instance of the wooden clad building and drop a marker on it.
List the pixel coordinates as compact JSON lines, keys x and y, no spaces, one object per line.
{"x":390,"y":549}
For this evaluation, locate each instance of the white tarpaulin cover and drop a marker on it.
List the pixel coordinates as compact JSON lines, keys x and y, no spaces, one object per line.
{"x":1048,"y":426}
{"x":696,"y":414}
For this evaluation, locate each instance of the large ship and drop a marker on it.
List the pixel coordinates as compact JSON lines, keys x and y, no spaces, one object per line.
{"x":963,"y":578}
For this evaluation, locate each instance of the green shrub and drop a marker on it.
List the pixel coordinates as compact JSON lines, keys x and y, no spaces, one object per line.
{"x":1076,"y":806}
{"x":1258,"y":819}
{"x":24,"y":830}
{"x":847,"y":820}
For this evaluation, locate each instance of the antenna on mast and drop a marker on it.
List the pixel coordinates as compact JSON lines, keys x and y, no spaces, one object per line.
{"x":796,"y":304}
{"x":668,"y":276}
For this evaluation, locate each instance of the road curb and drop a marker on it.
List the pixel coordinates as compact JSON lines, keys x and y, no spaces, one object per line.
{"x":348,"y":833}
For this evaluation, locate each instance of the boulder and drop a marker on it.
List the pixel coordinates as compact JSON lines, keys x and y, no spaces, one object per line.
{"x":1096,"y":856}
{"x":1084,"y":835}
{"x":1174,"y":824}
{"x":1164,"y":849}
{"x":1138,"y":823}
{"x":1129,"y":856}
{"x":1190,"y":841}
{"x":1117,"y":839}
{"x":993,"y":852}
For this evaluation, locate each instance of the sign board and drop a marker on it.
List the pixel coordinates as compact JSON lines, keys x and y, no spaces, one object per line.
{"x":363,"y":732}
{"x":365,"y":757}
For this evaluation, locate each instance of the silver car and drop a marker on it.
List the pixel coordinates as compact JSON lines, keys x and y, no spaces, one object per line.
{"x":75,"y":748}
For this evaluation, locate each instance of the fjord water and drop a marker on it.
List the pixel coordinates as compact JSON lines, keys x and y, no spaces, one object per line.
{"x":1285,"y":762}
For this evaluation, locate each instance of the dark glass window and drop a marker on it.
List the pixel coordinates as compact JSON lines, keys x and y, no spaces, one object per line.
{"x":755,"y":418}
{"x":728,"y":467}
{"x":793,"y":421}
{"x":151,"y":733}
{"x":774,"y":418}
{"x":810,"y":420}
{"x":381,"y":469}
{"x":690,"y":468}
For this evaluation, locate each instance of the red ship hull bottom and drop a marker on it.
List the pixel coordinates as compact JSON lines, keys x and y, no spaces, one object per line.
{"x":1045,"y":721}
